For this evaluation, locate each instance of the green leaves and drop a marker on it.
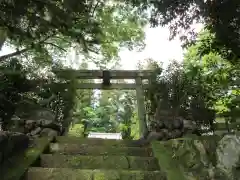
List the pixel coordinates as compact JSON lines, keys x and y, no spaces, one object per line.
{"x":199,"y":87}
{"x":97,"y":30}
{"x":53,"y":17}
{"x":13,"y":83}
{"x":119,"y":29}
{"x":217,"y":76}
{"x":181,"y":16}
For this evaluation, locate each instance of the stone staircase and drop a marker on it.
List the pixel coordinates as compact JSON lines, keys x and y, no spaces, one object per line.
{"x":70,"y":158}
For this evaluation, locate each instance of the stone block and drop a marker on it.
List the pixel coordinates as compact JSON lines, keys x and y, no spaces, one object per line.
{"x":99,"y":162}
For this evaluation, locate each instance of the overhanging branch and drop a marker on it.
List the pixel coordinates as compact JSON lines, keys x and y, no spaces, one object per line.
{"x":52,"y":44}
{"x":19,"y":52}
{"x":16,"y":53}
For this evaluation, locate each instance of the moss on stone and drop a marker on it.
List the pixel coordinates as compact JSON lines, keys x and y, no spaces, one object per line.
{"x":128,"y":175}
{"x":146,"y":163}
{"x":210,"y":144}
{"x":67,"y":148}
{"x":16,"y":166}
{"x":82,"y":174}
{"x":99,"y":162}
{"x":58,"y":173}
{"x":97,"y":142}
{"x":102,"y":175}
{"x":188,"y":158}
{"x":166,"y":160}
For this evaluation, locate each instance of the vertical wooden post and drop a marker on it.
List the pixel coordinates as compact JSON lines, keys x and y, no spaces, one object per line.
{"x":141,"y":107}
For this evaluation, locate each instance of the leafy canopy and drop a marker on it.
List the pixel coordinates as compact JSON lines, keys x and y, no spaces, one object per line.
{"x":97,"y":30}
{"x":28,"y":21}
{"x":221,"y":17}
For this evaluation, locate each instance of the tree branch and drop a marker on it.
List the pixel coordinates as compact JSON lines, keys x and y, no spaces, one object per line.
{"x":95,"y":7}
{"x":92,"y":50}
{"x":19,"y":52}
{"x":52,"y":44}
{"x":16,"y":53}
{"x":63,"y":39}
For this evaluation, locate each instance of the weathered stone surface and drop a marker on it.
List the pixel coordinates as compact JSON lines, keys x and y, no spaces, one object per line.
{"x":16,"y":166}
{"x":50,"y":124}
{"x":176,"y":134}
{"x":42,"y":127}
{"x":189,"y":125}
{"x":192,"y":158}
{"x":30,"y":125}
{"x":45,"y":114}
{"x":172,"y":125}
{"x":156,"y":125}
{"x":78,"y":174}
{"x":16,"y":125}
{"x":155,"y":136}
{"x":45,"y":122}
{"x":169,"y":127}
{"x":203,"y":158}
{"x":228,"y":155}
{"x":163,"y":135}
{"x":49,"y":132}
{"x":129,"y":175}
{"x":36,"y":131}
{"x":178,"y":123}
{"x":98,"y":150}
{"x":11,"y":143}
{"x":58,"y":173}
{"x":97,"y":142}
{"x":168,"y":124}
{"x":99,"y":162}
{"x":35,"y":121}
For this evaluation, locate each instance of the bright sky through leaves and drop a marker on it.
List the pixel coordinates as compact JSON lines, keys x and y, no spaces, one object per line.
{"x":158,"y":47}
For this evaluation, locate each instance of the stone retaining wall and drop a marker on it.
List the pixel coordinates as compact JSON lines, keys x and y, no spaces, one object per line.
{"x":166,"y":126}
{"x":202,"y":158}
{"x":39,"y":123}
{"x":11,"y":143}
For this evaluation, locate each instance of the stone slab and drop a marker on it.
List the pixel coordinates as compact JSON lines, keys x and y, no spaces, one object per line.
{"x":81,"y":174}
{"x":16,"y":166}
{"x":99,"y":162}
{"x":68,"y":148}
{"x":97,"y":141}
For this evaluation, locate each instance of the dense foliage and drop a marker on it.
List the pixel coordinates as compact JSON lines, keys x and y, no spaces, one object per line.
{"x":204,"y":87}
{"x":68,"y":18}
{"x":12,"y":84}
{"x":220,"y":17}
{"x":95,"y":30}
{"x":219,"y":77}
{"x":42,"y":33}
{"x":110,"y":111}
{"x":20,"y":94}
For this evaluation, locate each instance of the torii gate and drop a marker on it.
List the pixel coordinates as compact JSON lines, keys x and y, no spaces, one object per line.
{"x":106,"y":76}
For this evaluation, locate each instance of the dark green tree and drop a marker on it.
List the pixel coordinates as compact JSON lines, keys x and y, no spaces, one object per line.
{"x":12,"y":86}
{"x":219,"y":16}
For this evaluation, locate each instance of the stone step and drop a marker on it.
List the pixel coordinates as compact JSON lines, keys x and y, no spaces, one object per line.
{"x":81,"y":174}
{"x":99,"y":150}
{"x":99,"y":162}
{"x":97,"y":142}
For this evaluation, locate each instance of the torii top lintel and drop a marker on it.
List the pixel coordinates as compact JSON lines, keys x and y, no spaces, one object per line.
{"x":98,"y":74}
